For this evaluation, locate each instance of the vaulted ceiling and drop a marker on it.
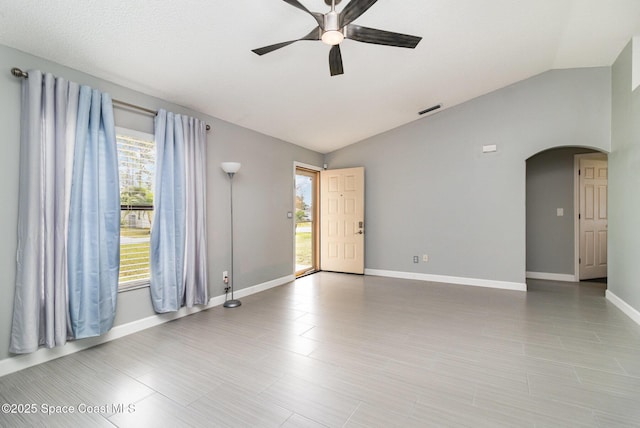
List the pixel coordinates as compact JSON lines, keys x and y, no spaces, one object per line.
{"x":197,"y":53}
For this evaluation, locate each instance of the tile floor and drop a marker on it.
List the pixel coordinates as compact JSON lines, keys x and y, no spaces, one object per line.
{"x":351,"y":351}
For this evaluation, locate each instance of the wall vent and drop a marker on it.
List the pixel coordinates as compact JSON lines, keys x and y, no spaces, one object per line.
{"x":430,"y":109}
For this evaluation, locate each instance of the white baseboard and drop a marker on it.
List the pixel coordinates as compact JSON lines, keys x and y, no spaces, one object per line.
{"x":504,"y":285}
{"x":552,"y":276}
{"x":629,"y":310}
{"x":263,"y":287}
{"x":19,"y":362}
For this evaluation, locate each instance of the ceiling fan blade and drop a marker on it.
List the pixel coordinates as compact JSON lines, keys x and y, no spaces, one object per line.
{"x":381,"y":37}
{"x":335,"y":61}
{"x":313,"y":35}
{"x":271,"y":48}
{"x":353,"y":10}
{"x":317,"y":16}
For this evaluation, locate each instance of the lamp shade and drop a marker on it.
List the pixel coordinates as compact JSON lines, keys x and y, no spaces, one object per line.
{"x":230,"y":167}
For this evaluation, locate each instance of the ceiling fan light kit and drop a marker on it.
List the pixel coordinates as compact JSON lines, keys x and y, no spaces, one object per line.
{"x":332,"y":37}
{"x":333,"y":27}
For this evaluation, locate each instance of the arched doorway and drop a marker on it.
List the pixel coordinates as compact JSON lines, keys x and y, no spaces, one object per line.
{"x":555,"y":246}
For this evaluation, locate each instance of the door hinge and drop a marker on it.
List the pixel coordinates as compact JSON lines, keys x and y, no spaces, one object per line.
{"x":579,"y":261}
{"x":579,"y":172}
{"x":579,"y":217}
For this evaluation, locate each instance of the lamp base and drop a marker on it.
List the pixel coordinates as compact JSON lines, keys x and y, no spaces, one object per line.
{"x":232,"y":303}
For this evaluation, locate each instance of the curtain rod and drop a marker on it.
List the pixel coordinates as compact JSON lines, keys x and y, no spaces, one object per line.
{"x":19,"y":73}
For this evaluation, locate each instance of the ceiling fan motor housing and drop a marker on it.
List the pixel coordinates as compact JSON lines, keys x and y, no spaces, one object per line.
{"x":331,"y":34}
{"x":331,"y":21}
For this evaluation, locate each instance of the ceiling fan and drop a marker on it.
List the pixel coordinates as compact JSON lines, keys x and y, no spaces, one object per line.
{"x":333,"y":27}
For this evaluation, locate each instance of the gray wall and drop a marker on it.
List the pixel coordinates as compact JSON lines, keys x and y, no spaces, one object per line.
{"x":624,"y":182}
{"x":263,"y":192}
{"x":550,"y":185}
{"x":431,"y":190}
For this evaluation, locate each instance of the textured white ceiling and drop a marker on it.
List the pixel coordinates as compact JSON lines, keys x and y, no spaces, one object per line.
{"x":197,"y":53}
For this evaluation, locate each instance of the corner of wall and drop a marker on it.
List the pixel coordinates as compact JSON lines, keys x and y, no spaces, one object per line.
{"x":623,"y":289}
{"x":635,"y":55}
{"x":628,"y":310}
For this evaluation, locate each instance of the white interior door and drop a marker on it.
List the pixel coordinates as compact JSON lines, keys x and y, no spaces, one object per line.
{"x":342,"y":220}
{"x":593,"y":218}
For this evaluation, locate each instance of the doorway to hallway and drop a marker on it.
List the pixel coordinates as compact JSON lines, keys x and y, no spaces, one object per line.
{"x":555,"y":204}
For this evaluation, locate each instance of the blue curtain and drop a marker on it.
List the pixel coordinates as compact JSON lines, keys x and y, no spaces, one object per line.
{"x":179,"y":233}
{"x":94,"y":218}
{"x":168,"y":229}
{"x":68,"y":224}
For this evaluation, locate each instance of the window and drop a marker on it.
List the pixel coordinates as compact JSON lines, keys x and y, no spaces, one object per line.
{"x":136,"y":157}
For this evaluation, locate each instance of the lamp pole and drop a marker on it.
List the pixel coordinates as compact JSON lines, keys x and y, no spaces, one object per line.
{"x":231,"y":168}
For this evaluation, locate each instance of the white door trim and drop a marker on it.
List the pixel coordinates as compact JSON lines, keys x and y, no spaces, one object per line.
{"x":297,"y":164}
{"x":304,"y":165}
{"x":576,"y":207}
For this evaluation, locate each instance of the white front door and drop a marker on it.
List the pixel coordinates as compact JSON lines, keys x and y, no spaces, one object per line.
{"x":342,"y":220}
{"x":593,"y":218}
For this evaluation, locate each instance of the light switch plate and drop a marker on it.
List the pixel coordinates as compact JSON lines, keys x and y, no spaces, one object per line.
{"x":560,"y":212}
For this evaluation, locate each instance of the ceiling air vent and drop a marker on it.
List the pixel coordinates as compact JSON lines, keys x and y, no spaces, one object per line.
{"x":430,"y":109}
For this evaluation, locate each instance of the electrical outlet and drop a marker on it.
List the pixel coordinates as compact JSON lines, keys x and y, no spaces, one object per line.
{"x":415,"y":259}
{"x":425,"y":258}
{"x":225,"y":277}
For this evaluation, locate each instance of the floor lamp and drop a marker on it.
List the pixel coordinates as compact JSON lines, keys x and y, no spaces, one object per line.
{"x":231,"y":168}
